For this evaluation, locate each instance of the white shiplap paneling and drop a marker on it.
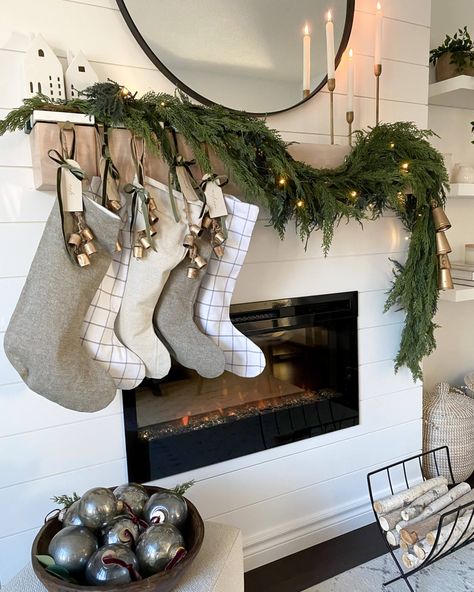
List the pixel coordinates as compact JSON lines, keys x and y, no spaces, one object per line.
{"x":32,"y":428}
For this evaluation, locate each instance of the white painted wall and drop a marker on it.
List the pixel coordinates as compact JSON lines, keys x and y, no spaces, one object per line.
{"x":454,"y":356}
{"x":284,"y":499}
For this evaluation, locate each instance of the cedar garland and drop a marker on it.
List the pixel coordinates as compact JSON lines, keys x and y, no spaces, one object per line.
{"x":391,"y":167}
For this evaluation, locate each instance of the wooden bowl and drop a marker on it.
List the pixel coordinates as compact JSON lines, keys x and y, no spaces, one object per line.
{"x":165,"y":581}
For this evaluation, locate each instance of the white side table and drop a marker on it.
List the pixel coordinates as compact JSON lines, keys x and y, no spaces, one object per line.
{"x":218,"y":567}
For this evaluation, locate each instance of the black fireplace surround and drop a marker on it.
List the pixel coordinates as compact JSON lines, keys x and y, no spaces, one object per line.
{"x":309,"y":387}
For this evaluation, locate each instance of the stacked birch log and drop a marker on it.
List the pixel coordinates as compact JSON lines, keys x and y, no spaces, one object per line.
{"x":411,"y":518}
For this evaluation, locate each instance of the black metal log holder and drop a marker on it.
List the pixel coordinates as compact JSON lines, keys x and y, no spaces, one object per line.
{"x":407,"y":473}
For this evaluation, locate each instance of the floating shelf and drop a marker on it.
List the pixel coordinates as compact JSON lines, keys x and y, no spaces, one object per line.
{"x":455,"y":92}
{"x":461,"y":190}
{"x":459,"y":294}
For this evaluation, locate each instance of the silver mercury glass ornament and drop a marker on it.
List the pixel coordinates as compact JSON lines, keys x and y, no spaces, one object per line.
{"x":71,"y":548}
{"x":121,"y":529}
{"x":157,"y":546}
{"x":97,"y":507}
{"x":134,"y":495}
{"x":112,"y":564}
{"x":166,"y":506}
{"x":70,"y":516}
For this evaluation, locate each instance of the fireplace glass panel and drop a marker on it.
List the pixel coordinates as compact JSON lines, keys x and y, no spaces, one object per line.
{"x":309,"y":387}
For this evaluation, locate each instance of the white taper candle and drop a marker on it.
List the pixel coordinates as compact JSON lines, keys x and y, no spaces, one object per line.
{"x":350,"y":81}
{"x":306,"y":59}
{"x":330,"y":46}
{"x":378,"y":35}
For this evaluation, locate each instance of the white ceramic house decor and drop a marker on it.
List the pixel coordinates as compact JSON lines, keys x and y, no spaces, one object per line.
{"x":79,"y":74}
{"x":43,"y":70}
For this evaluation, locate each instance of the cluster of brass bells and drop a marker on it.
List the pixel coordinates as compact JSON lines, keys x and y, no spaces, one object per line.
{"x":217,"y":235}
{"x":197,"y":261}
{"x":81,"y":240}
{"x":142,"y":240}
{"x":442,"y":223}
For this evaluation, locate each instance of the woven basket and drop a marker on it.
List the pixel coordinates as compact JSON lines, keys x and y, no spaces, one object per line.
{"x":449,"y":421}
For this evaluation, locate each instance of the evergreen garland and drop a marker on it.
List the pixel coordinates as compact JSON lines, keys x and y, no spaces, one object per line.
{"x":391,"y":167}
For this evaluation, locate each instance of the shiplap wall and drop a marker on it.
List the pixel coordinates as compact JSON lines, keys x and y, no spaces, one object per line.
{"x":284,"y":499}
{"x":453,"y":357}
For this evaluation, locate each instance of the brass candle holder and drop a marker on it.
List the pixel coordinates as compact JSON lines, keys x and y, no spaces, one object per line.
{"x":350,"y":121}
{"x":377,"y":72}
{"x":306,"y":93}
{"x":331,"y":88}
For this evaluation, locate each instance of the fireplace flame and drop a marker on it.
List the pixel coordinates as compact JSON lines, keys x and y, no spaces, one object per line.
{"x":185,"y":420}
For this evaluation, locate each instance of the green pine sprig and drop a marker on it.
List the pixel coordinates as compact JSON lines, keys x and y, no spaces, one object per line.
{"x":65,"y":500}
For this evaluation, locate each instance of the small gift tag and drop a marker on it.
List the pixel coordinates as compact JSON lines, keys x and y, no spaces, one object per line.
{"x":139,"y":223}
{"x":185,"y":184}
{"x":71,"y":189}
{"x":215,"y":200}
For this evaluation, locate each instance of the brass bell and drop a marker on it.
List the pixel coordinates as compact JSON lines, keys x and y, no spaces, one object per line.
{"x":219,"y":238}
{"x":118,"y":247}
{"x":440,"y":219}
{"x":445,"y":281}
{"x":206,"y":222}
{"x":114,"y":205}
{"x":146,"y":244}
{"x":192,"y":273}
{"x":153,"y":216}
{"x":87,"y":234}
{"x":74,"y":240}
{"x":200,"y":262}
{"x":154,"y":228}
{"x":444,"y":262}
{"x":219,"y":251}
{"x":442,"y":245}
{"x":151,"y":204}
{"x":195,"y":229}
{"x":89,"y":248}
{"x":188,"y":241}
{"x":138,"y":251}
{"x":83,"y":259}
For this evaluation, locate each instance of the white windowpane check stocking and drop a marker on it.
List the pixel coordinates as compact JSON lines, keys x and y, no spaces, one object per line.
{"x":98,"y":336}
{"x":211,"y":311}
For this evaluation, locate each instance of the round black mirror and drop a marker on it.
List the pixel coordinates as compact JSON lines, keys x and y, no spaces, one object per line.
{"x":244,"y":54}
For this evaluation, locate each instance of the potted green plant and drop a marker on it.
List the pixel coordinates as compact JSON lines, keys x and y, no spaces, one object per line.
{"x":455,"y":56}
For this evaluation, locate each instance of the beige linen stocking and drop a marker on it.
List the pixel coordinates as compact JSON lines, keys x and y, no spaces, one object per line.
{"x":146,"y":279}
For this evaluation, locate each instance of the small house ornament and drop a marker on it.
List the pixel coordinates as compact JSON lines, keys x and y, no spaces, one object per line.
{"x":43,"y":70}
{"x":79,"y":75}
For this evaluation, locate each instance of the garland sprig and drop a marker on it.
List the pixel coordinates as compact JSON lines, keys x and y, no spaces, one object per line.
{"x":391,"y":167}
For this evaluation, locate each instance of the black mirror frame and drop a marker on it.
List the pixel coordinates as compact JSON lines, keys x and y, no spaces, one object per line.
{"x":189,"y":91}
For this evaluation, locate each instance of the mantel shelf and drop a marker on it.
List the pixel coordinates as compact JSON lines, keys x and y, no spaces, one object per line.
{"x":459,"y":294}
{"x":463,"y":190}
{"x":455,"y":92}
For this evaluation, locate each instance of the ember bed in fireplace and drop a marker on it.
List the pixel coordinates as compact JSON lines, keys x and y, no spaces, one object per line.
{"x":308,"y":388}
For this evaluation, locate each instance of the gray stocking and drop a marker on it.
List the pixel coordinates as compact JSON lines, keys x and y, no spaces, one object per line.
{"x":173,"y":319}
{"x":43,"y":339}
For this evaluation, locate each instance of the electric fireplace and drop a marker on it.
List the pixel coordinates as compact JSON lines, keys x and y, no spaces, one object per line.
{"x":309,"y":387}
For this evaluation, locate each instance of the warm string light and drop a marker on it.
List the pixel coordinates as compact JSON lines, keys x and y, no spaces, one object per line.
{"x":300,"y":203}
{"x":404,"y":166}
{"x":353,"y":194}
{"x":391,"y":145}
{"x":282,"y":181}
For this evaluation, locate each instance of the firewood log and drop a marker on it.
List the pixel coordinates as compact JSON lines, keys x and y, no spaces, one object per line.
{"x":452,"y":532}
{"x":407,"y":496}
{"x":410,"y":561}
{"x":404,"y":547}
{"x":390,"y":520}
{"x":417,"y":531}
{"x":393,"y":537}
{"x":417,"y":507}
{"x":422,"y":549}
